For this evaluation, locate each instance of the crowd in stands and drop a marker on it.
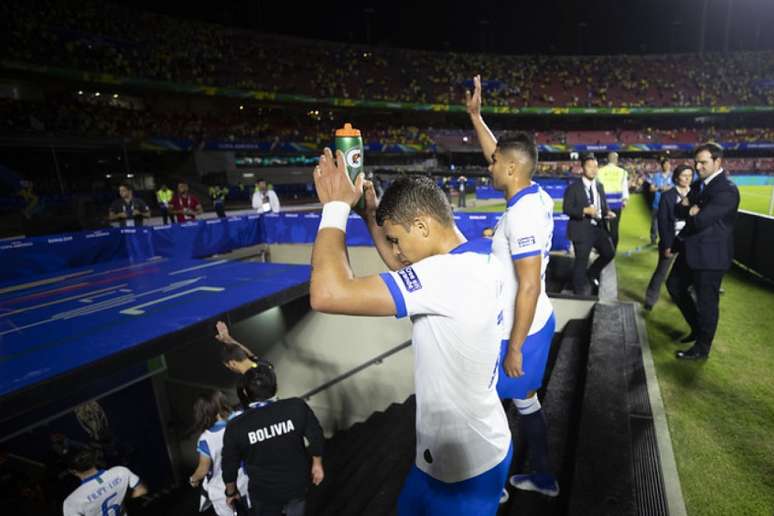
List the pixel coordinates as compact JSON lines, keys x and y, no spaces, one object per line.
{"x":100,"y":37}
{"x":71,"y":116}
{"x":68,"y":117}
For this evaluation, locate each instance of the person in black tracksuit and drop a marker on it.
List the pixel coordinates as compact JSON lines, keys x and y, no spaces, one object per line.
{"x":269,"y":437}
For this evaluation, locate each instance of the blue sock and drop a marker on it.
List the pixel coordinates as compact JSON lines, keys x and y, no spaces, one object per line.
{"x":532,"y":427}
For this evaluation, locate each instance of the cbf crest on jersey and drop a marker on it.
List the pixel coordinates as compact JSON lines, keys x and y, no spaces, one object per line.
{"x":410,"y":279}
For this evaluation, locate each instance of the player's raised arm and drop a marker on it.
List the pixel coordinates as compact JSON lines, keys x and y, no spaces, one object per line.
{"x":473,"y":104}
{"x":333,"y":287}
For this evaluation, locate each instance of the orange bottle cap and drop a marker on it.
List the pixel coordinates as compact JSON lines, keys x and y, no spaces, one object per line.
{"x":347,"y":130}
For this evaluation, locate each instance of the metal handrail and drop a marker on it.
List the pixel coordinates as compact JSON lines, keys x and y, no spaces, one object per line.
{"x":376,"y":360}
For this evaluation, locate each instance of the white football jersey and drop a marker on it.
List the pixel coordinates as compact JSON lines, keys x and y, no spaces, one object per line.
{"x":455,"y":303}
{"x":526,"y":229}
{"x":102,"y":494}
{"x":211,"y":444}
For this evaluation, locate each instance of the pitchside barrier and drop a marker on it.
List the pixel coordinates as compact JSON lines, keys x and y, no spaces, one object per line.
{"x":26,"y":257}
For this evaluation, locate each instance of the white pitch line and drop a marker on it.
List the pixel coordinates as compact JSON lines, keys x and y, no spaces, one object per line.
{"x":32,"y":284}
{"x":136,"y":310}
{"x":63,"y":300}
{"x":103,"y":305}
{"x":210,"y":264}
{"x":92,"y":298}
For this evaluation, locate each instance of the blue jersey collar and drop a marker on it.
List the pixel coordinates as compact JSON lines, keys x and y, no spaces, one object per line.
{"x":259,"y":404}
{"x":477,"y":245}
{"x":218,"y":426}
{"x":532,"y":188}
{"x":94,"y":476}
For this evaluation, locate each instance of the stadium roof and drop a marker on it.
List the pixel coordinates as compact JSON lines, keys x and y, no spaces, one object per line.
{"x":503,"y":26}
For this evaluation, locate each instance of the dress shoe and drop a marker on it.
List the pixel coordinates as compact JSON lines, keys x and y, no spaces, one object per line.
{"x":691,"y":354}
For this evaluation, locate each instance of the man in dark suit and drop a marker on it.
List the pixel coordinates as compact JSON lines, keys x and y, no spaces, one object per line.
{"x":585,"y":204}
{"x":705,"y":247}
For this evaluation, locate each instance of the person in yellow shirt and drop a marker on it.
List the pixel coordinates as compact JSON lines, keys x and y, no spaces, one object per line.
{"x":615,"y":180}
{"x":164,"y":197}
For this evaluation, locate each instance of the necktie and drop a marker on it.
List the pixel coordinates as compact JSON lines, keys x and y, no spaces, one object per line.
{"x":591,"y":194}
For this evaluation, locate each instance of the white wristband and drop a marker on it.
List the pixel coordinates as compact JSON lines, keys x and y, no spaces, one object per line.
{"x":335,"y":215}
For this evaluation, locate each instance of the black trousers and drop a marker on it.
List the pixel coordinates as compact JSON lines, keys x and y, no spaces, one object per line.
{"x":701,"y":314}
{"x":604,"y":245}
{"x":165,"y":216}
{"x":220,"y":209}
{"x":659,"y":275}
{"x":614,"y":224}
{"x":292,"y":508}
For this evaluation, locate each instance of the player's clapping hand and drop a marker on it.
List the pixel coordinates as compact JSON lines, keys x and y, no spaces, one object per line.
{"x":473,"y":99}
{"x":513,"y":363}
{"x":371,"y":202}
{"x":332,"y":181}
{"x":694,"y":210}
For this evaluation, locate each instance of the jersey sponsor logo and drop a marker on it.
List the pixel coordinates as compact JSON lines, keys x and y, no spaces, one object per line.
{"x":410,"y":279}
{"x":525,"y":241}
{"x":270,"y":431}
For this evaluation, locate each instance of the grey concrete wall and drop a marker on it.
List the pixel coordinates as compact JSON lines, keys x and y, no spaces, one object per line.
{"x":318,"y":347}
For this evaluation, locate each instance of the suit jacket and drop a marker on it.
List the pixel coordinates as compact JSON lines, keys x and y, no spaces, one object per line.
{"x":667,"y":217}
{"x":579,"y":227}
{"x":708,"y":238}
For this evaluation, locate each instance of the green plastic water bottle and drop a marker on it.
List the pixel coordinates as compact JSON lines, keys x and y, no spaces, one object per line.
{"x":350,"y":143}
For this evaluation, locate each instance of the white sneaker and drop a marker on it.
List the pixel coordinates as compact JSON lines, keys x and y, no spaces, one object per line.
{"x":544,"y":484}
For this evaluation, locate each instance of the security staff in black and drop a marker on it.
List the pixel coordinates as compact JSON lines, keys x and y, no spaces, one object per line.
{"x":269,"y":438}
{"x":586,"y":205}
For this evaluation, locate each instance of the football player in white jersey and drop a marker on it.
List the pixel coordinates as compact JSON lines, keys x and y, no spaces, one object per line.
{"x":523,"y":239}
{"x":101,"y":492}
{"x":211,"y":413}
{"x":452,"y":290}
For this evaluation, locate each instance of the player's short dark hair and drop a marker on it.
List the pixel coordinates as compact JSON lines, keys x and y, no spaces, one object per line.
{"x":126,"y":185}
{"x":206,"y":410}
{"x":229,"y":352}
{"x":260,"y":180}
{"x":523,"y":143}
{"x":679,"y":169}
{"x":663,"y":160}
{"x":589,"y":156}
{"x":257,"y":384}
{"x":409,"y":196}
{"x":715,"y":150}
{"x":82,"y":460}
